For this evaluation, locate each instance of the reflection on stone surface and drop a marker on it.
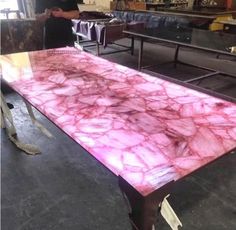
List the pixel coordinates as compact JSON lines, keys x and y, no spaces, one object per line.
{"x":21,"y":35}
{"x":147,"y":130}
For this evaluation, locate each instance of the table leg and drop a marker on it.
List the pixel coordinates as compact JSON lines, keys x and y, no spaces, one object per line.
{"x":140,"y":57}
{"x":143,"y":211}
{"x":8,"y":123}
{"x":18,"y":14}
{"x":176,"y":55}
{"x":34,"y":120}
{"x":6,"y":117}
{"x":132,"y":46}
{"x":98,"y":48}
{"x":78,"y":39}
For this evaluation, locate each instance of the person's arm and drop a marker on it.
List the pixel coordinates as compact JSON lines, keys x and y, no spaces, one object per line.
{"x":59,"y":13}
{"x":41,"y":11}
{"x":43,"y":16}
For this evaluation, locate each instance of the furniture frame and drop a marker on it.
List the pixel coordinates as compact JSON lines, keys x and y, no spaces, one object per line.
{"x":143,"y":38}
{"x":82,"y":39}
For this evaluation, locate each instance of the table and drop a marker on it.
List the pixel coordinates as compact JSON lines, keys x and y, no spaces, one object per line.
{"x":103,"y":32}
{"x":214,"y":42}
{"x":212,"y":16}
{"x":158,"y":5}
{"x":198,"y":11}
{"x":229,"y":25}
{"x":100,"y":32}
{"x":95,"y":27}
{"x":148,"y":131}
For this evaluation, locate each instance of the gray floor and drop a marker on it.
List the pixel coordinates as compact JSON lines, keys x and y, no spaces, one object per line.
{"x":64,"y":188}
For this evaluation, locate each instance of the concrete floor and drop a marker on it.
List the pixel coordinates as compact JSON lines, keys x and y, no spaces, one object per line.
{"x":64,"y":188}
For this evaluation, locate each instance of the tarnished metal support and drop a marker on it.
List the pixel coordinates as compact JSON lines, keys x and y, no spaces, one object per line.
{"x":143,"y":210}
{"x":176,"y":55}
{"x":140,"y":56}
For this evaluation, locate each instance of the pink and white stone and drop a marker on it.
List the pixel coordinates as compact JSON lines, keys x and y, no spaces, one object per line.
{"x":146,"y":129}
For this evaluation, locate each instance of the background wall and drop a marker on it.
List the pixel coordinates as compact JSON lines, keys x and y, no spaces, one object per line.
{"x":103,"y":3}
{"x":100,"y":3}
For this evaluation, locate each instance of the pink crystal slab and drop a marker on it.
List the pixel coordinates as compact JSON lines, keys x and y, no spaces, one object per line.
{"x":145,"y":129}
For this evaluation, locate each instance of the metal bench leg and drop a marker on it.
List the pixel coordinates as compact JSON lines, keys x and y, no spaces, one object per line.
{"x":7,"y":122}
{"x":176,"y":55}
{"x":132,"y":46}
{"x":140,"y":57}
{"x":143,"y":211}
{"x":34,"y":120}
{"x":6,"y":117}
{"x":98,"y":48}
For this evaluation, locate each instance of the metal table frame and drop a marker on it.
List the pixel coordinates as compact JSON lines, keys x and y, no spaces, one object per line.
{"x":79,"y":43}
{"x":142,"y":38}
{"x":97,"y":44}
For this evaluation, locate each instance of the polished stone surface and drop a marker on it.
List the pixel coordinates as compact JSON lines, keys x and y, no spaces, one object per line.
{"x":206,"y":200}
{"x":147,"y":130}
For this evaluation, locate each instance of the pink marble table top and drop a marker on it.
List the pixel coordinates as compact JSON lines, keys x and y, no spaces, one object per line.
{"x":145,"y":129}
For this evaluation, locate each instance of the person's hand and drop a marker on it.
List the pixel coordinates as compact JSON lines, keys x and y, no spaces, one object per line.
{"x":57,"y":13}
{"x":44,"y":16}
{"x":47,"y":13}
